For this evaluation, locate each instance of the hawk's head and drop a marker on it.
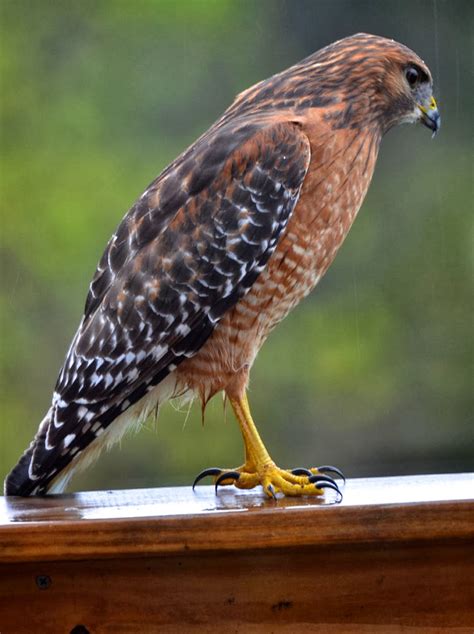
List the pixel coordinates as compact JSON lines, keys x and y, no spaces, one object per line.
{"x":402,"y":85}
{"x":377,"y":79}
{"x":362,"y":80}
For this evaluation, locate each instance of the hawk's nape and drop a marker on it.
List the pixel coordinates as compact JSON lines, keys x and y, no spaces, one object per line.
{"x":219,"y":249}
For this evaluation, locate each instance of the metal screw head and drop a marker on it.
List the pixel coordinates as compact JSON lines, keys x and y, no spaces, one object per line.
{"x":43,"y":582}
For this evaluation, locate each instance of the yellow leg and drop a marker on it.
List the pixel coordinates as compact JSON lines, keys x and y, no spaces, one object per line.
{"x":255,"y":451}
{"x":259,"y":468}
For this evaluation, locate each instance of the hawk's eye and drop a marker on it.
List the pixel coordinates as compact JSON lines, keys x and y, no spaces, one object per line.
{"x":412,"y":75}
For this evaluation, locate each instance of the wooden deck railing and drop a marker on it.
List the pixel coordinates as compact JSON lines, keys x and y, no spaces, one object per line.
{"x":397,"y":555}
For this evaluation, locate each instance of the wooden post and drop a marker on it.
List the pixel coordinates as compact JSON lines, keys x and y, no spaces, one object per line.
{"x":397,"y":555}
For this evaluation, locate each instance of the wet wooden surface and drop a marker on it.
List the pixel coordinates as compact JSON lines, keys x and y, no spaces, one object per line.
{"x":159,"y":521}
{"x":396,"y":556}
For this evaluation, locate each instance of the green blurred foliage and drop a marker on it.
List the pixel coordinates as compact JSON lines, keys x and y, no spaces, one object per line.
{"x":373,"y":371}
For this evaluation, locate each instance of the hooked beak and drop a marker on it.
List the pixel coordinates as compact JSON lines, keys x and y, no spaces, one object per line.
{"x":430,"y":116}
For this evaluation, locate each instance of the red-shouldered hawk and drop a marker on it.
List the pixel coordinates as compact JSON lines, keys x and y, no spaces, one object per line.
{"x":217,"y":251}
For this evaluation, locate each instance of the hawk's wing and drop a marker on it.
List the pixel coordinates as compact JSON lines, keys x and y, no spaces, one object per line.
{"x":184,"y":255}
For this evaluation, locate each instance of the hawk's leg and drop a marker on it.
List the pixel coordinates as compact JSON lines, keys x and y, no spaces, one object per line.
{"x":259,"y":468}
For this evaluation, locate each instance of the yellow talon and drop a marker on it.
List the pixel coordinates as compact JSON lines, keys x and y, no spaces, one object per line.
{"x":259,"y":468}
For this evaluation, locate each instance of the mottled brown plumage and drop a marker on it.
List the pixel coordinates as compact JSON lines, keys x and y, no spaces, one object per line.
{"x":221,"y":246}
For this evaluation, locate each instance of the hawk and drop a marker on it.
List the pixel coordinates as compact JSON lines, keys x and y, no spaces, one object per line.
{"x":218,"y":250}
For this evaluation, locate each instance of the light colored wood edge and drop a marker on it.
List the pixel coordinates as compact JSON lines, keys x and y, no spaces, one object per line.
{"x":264,"y":528}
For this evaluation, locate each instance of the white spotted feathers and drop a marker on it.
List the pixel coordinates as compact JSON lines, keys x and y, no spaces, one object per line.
{"x":187,"y":251}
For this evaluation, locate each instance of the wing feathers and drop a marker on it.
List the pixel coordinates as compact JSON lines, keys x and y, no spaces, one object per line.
{"x":167,"y":278}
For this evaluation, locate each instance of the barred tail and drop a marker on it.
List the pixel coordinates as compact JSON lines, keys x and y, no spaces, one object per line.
{"x":47,"y":468}
{"x":21,"y":479}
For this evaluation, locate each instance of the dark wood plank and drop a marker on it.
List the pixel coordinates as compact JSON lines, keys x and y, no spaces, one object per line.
{"x":162,"y":521}
{"x":385,"y":588}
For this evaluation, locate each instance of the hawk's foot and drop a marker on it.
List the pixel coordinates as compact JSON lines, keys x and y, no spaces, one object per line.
{"x":296,"y":482}
{"x":259,"y":468}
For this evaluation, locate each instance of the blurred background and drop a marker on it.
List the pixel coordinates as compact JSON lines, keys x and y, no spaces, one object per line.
{"x":373,"y":372}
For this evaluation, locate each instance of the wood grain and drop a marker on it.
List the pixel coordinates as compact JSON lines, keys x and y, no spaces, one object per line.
{"x":397,"y":556}
{"x":384,"y":588}
{"x":161,"y":521}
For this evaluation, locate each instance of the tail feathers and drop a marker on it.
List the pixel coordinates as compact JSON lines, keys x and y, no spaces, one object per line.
{"x":45,"y":467}
{"x":22,"y":480}
{"x":18,"y":481}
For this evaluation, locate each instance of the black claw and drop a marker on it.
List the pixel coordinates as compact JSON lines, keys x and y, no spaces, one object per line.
{"x":329,"y":485}
{"x":329,"y":469}
{"x":299,"y":471}
{"x":271,"y":490}
{"x":227,"y":475}
{"x":322,"y":478}
{"x":212,"y":471}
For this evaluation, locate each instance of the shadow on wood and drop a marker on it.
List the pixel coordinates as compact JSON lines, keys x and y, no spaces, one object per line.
{"x":397,"y":555}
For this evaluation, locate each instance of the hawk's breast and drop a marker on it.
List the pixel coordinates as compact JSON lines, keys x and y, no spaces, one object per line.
{"x":333,"y":191}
